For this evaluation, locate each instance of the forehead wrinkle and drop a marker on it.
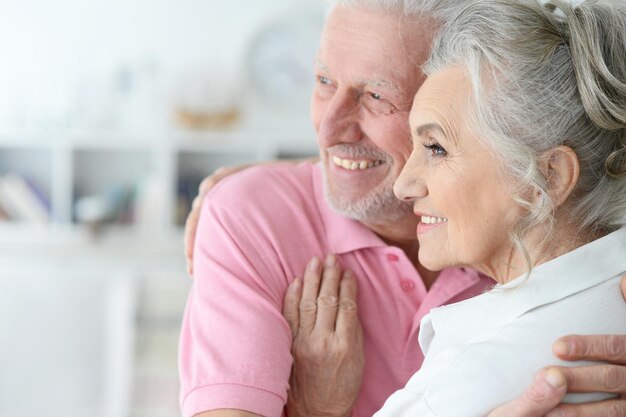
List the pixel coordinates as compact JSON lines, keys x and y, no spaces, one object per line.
{"x":446,"y":115}
{"x":446,"y":130}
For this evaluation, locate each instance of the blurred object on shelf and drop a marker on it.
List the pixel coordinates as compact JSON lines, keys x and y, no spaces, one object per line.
{"x":208,"y":96}
{"x":114,"y":205}
{"x":203,"y":121}
{"x":22,"y":200}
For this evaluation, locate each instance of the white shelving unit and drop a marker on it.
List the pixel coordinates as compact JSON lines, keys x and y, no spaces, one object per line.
{"x":159,"y":168}
{"x":115,"y":298}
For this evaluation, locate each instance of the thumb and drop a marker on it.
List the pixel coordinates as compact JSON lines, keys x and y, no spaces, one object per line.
{"x":540,"y":397}
{"x":291,"y":306}
{"x":624,"y":286}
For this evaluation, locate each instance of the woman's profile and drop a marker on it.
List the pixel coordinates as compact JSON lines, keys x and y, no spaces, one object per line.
{"x":519,"y":171}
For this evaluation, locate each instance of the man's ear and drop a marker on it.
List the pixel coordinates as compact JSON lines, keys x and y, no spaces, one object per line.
{"x":561,"y":169}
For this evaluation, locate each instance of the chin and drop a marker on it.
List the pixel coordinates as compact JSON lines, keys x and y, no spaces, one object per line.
{"x":433,"y":261}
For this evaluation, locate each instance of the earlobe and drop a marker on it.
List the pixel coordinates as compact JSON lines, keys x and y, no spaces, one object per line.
{"x":561,"y":168}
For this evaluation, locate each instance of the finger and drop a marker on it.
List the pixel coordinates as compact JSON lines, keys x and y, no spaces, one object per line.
{"x":218,"y":175}
{"x":347,"y":316}
{"x":291,"y":305}
{"x":624,"y":286}
{"x":596,"y":378}
{"x":608,"y":408}
{"x":191,"y":224}
{"x":606,"y":348}
{"x":543,"y":395}
{"x":310,"y":290}
{"x":328,"y":299}
{"x":208,"y":183}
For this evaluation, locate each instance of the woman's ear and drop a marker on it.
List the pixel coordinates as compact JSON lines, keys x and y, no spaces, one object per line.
{"x":561,"y":169}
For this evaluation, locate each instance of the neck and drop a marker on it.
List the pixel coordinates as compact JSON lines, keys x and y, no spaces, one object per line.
{"x":513,"y":264}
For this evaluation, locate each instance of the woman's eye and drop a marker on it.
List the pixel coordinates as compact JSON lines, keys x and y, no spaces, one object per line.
{"x":436,"y":149}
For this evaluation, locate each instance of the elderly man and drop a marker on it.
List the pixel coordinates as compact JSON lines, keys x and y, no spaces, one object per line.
{"x":259,"y":229}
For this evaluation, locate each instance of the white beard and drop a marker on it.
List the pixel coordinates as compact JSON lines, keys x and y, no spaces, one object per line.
{"x":378,"y":206}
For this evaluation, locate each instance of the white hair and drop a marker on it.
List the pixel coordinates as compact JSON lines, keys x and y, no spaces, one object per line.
{"x":438,"y":10}
{"x":544,"y":75}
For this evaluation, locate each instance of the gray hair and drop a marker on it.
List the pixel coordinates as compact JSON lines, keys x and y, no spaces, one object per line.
{"x":543,"y":75}
{"x":438,"y":10}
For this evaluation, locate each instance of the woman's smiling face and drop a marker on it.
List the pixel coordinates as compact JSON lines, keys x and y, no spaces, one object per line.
{"x":465,"y":205}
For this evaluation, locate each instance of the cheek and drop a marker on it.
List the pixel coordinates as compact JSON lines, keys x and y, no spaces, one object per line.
{"x":484,"y":218}
{"x":392,"y":135}
{"x":317,"y":110}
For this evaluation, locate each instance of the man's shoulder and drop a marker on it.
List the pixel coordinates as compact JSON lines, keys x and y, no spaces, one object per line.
{"x":269,"y":193}
{"x":269,"y":180}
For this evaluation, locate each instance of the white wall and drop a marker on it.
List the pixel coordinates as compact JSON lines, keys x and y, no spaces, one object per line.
{"x":54,"y":52}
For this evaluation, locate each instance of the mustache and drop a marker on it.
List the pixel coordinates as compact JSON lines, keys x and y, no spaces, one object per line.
{"x":359,"y":151}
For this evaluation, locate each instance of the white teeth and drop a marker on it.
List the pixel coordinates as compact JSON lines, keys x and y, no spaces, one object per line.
{"x":352,"y":164}
{"x":433,"y":220}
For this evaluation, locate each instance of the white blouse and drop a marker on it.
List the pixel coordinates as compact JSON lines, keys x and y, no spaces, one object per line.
{"x":485,"y":351}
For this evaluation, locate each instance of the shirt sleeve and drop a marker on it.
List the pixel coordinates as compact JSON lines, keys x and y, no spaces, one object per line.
{"x":235,"y":344}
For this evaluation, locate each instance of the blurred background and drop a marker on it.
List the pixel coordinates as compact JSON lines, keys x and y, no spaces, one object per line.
{"x":111,"y":112}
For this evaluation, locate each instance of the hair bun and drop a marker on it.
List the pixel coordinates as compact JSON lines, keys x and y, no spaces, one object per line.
{"x":597,"y":41}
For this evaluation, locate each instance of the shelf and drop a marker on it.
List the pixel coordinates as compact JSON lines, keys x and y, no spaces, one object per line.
{"x":149,"y":177}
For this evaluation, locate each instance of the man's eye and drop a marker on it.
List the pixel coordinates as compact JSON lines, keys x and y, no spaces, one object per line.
{"x":376,"y":104}
{"x":324,"y":80}
{"x":436,"y":149}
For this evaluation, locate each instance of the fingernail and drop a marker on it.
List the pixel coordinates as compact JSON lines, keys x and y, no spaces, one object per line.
{"x":314,"y":265}
{"x":554,"y":378}
{"x":562,"y":348}
{"x":330,"y":261}
{"x":347,"y":273}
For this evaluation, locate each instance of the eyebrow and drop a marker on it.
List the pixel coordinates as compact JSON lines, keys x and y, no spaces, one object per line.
{"x":379,"y":83}
{"x":373,"y":82}
{"x":321,"y":65}
{"x":422,"y":129}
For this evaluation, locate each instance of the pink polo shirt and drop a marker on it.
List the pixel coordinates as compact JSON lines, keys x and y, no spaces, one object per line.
{"x":257,"y":231}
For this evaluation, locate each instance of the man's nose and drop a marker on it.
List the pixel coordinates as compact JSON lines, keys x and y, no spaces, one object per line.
{"x":341,"y":121}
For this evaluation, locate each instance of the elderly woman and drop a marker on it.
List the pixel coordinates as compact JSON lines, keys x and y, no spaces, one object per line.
{"x":518,"y":170}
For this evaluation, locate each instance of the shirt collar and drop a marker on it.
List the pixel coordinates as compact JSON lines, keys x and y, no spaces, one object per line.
{"x":576,"y":271}
{"x":344,"y":234}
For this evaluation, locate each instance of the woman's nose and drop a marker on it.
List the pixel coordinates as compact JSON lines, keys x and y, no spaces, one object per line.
{"x":410,"y":185}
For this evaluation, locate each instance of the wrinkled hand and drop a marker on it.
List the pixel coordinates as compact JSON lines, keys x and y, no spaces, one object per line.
{"x":327,"y":341}
{"x":542,"y":397}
